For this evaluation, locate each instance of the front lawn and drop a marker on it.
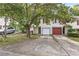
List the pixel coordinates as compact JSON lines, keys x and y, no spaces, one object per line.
{"x":74,"y":38}
{"x":15,"y":38}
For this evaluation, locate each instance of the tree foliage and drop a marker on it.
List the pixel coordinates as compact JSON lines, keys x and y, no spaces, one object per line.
{"x":75,"y":10}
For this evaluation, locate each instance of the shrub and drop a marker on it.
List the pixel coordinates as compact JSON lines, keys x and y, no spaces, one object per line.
{"x":71,"y":30}
{"x":73,"y":34}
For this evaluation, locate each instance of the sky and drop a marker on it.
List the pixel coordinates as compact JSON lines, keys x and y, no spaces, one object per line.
{"x":71,"y":4}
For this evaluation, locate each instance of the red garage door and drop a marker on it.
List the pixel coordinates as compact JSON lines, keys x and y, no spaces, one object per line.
{"x":56,"y":31}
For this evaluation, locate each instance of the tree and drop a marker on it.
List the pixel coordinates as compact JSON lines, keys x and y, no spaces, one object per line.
{"x":75,"y":10}
{"x":63,"y":14}
{"x":9,"y":11}
{"x":4,"y":13}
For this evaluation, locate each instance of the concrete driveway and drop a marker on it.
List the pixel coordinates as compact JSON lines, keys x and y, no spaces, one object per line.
{"x":71,"y":47}
{"x":44,"y":46}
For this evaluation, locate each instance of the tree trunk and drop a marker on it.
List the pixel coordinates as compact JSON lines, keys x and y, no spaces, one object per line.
{"x":5,"y":34}
{"x":28,"y":31}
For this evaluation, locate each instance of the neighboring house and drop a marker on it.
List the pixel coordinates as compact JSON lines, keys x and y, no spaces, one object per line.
{"x":2,"y":23}
{"x":54,"y":28}
{"x":75,"y":23}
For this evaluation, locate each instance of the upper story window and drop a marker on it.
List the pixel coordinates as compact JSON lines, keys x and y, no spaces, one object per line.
{"x":56,"y":21}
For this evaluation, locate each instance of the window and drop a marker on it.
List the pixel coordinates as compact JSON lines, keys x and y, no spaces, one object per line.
{"x":54,"y":21}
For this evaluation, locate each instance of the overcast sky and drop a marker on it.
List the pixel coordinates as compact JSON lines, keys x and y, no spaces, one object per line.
{"x":71,"y":4}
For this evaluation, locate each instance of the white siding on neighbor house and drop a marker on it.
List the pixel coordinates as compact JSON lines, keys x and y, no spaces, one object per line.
{"x":2,"y":23}
{"x":74,"y":25}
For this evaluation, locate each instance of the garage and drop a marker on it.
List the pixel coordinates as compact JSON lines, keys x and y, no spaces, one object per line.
{"x":57,"y":31}
{"x":45,"y":31}
{"x":51,"y":29}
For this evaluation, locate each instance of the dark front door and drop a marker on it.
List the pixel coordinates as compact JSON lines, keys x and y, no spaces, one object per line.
{"x":39,"y":30}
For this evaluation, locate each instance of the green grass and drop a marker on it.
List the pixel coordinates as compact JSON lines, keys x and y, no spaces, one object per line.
{"x":34,"y":36}
{"x":74,"y":38}
{"x":15,"y":38}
